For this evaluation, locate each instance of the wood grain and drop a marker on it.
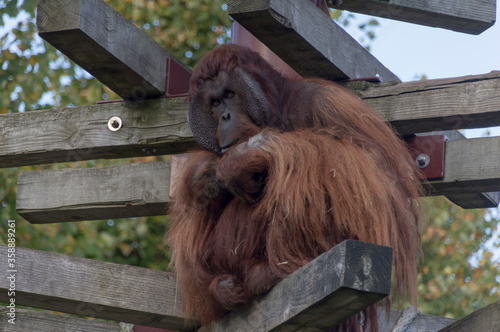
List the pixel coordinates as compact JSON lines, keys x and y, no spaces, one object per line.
{"x":95,"y":289}
{"x":471,"y":17}
{"x":150,"y":127}
{"x":30,"y":320}
{"x":486,"y":319}
{"x":132,"y":190}
{"x":320,"y":295}
{"x":437,"y":105}
{"x":471,"y":166}
{"x":107,"y":45}
{"x":81,"y":133}
{"x":307,"y":39}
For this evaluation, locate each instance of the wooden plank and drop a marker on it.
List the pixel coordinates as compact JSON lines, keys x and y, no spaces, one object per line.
{"x":151,"y":127}
{"x":95,"y":289}
{"x":106,"y":44}
{"x":464,"y":16}
{"x":307,"y":39}
{"x":350,"y":277}
{"x":132,"y":190}
{"x":409,"y":320}
{"x":471,"y":166}
{"x":485,"y":319}
{"x":467,"y":200}
{"x":81,"y":133}
{"x":30,"y":320}
{"x":436,"y":105}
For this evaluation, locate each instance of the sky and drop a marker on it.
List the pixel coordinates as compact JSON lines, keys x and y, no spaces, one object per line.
{"x":411,"y":50}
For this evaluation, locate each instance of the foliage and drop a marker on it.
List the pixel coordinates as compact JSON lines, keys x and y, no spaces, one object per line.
{"x":34,"y":75}
{"x":458,"y":275}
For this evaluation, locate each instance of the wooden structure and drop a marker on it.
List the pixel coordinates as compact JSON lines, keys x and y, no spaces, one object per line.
{"x":88,"y":31}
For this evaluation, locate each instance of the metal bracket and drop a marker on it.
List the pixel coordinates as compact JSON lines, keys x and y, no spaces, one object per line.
{"x":428,"y":153}
{"x":177,"y":80}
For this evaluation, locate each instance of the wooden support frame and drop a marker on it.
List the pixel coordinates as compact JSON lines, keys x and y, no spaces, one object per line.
{"x":485,"y":319}
{"x":131,"y":190}
{"x":107,"y":45}
{"x":150,"y":127}
{"x":471,"y":17}
{"x":342,"y":281}
{"x":81,"y":133}
{"x":471,"y":166}
{"x":90,"y":288}
{"x":31,"y":320}
{"x":307,"y":39}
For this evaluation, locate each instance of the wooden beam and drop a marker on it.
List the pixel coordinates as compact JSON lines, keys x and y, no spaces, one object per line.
{"x":464,"y":16}
{"x":95,"y":289}
{"x":160,"y":125}
{"x":307,"y":39}
{"x":40,"y":321}
{"x":410,"y":320}
{"x":436,"y":105}
{"x":467,"y":200}
{"x":132,"y":190}
{"x":151,"y":127}
{"x":344,"y":280}
{"x":107,"y":45}
{"x":471,"y":166}
{"x":350,"y":277}
{"x":485,"y":319}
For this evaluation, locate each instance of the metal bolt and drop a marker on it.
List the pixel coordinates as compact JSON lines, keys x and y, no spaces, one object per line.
{"x":423,"y":160}
{"x":115,"y":123}
{"x":148,"y":151}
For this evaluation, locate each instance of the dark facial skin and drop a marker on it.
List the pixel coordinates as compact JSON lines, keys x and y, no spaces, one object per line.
{"x":228,"y":109}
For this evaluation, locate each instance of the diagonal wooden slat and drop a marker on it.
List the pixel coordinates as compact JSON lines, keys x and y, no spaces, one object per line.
{"x":307,"y":39}
{"x":471,"y":17}
{"x":107,"y":45}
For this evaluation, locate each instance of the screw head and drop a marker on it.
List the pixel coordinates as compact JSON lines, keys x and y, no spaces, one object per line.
{"x":148,"y":151}
{"x":422,"y":160}
{"x":115,"y":123}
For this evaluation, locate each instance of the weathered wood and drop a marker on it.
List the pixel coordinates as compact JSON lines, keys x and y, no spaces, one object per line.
{"x":30,"y":320}
{"x":106,"y":44}
{"x":151,"y":127}
{"x":96,"y":289}
{"x":131,"y":190}
{"x":464,"y":16}
{"x":346,"y":279}
{"x":436,"y":105}
{"x":410,"y":321}
{"x":307,"y":39}
{"x":81,"y":133}
{"x":471,"y":166}
{"x":350,"y":277}
{"x":465,"y":200}
{"x":485,"y":319}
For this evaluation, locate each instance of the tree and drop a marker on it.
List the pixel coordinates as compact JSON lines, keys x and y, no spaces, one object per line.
{"x":458,"y":275}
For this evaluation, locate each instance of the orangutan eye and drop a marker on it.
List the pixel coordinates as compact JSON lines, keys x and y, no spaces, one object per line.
{"x":215,"y":102}
{"x":229,"y":94}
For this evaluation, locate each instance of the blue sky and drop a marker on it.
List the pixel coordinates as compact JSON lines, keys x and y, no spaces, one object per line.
{"x":411,"y":50}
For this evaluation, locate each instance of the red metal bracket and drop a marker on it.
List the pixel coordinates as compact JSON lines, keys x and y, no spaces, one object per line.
{"x":177,"y":80}
{"x":428,"y":153}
